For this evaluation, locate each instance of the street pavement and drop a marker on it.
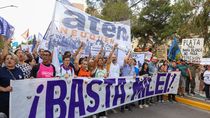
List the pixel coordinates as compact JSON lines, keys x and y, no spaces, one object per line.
{"x":163,"y":110}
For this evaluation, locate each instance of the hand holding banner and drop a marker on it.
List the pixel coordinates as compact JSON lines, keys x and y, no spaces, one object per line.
{"x":82,"y":97}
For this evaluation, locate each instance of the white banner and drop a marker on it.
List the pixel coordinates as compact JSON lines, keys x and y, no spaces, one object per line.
{"x":71,"y":26}
{"x":192,"y":49}
{"x":81,"y":97}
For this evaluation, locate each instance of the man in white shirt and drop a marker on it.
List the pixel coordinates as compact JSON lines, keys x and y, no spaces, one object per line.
{"x":113,"y":67}
{"x":114,"y":70}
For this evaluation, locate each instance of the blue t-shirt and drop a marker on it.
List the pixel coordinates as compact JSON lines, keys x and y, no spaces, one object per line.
{"x":128,"y":70}
{"x":152,"y":68}
{"x":5,"y":77}
{"x":136,"y":70}
{"x":171,"y":68}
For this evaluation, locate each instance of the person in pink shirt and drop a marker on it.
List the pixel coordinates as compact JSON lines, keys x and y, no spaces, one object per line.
{"x":44,"y":69}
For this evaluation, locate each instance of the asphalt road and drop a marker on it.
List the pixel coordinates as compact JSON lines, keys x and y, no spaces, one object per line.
{"x":163,"y":110}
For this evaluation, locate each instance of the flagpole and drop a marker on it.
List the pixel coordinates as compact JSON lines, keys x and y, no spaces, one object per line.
{"x":53,"y":16}
{"x":47,"y":30}
{"x":53,"y":19}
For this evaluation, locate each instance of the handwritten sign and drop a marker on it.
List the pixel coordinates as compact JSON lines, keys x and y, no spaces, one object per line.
{"x":192,"y":49}
{"x":161,"y":53}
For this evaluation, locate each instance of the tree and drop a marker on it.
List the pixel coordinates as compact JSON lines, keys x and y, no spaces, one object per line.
{"x":111,"y":10}
{"x":157,"y":18}
{"x":116,"y":11}
{"x":192,"y":18}
{"x":201,"y":23}
{"x":181,"y":14}
{"x":92,"y":11}
{"x":153,"y":21}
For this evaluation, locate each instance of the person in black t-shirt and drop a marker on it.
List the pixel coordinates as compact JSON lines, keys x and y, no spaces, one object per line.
{"x":7,"y":73}
{"x":144,"y":72}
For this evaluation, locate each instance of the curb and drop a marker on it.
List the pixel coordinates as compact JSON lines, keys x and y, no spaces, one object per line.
{"x":198,"y":104}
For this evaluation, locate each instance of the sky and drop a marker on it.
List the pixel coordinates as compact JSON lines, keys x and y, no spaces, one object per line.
{"x":33,"y":14}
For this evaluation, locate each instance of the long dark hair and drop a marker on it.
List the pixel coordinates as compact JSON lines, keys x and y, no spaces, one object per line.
{"x":143,"y":66}
{"x":142,"y":69}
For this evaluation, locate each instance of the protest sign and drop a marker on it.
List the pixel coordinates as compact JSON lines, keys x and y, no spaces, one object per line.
{"x":161,"y":52}
{"x":120,"y":57}
{"x":82,"y":97}
{"x":139,"y":57}
{"x":70,"y":26}
{"x":192,"y":49}
{"x":148,"y":55}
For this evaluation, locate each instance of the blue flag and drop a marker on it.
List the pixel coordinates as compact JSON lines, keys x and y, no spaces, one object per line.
{"x":6,"y":29}
{"x":33,"y":43}
{"x":174,"y":51}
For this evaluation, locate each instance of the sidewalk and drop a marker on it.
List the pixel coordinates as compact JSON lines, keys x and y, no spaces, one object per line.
{"x":195,"y":101}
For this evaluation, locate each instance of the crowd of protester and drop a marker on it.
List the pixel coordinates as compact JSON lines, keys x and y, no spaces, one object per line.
{"x":21,"y":64}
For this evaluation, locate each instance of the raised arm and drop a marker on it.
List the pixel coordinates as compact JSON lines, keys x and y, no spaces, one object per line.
{"x":89,"y":57}
{"x":36,"y":47}
{"x":76,"y":61}
{"x":126,"y":58}
{"x":99,"y":54}
{"x":6,"y":48}
{"x":109,"y":59}
{"x":78,"y":50}
{"x":34,"y":51}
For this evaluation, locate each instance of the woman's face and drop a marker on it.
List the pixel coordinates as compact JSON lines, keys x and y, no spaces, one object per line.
{"x":145,"y":66}
{"x":33,"y":62}
{"x":100,"y":62}
{"x":10,"y":61}
{"x":21,"y":56}
{"x":162,"y":68}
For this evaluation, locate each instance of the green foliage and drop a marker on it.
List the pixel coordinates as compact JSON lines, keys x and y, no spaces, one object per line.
{"x":181,"y":12}
{"x":111,"y":10}
{"x":116,"y":11}
{"x":157,"y":18}
{"x":161,"y":19}
{"x":92,"y":11}
{"x":153,"y":19}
